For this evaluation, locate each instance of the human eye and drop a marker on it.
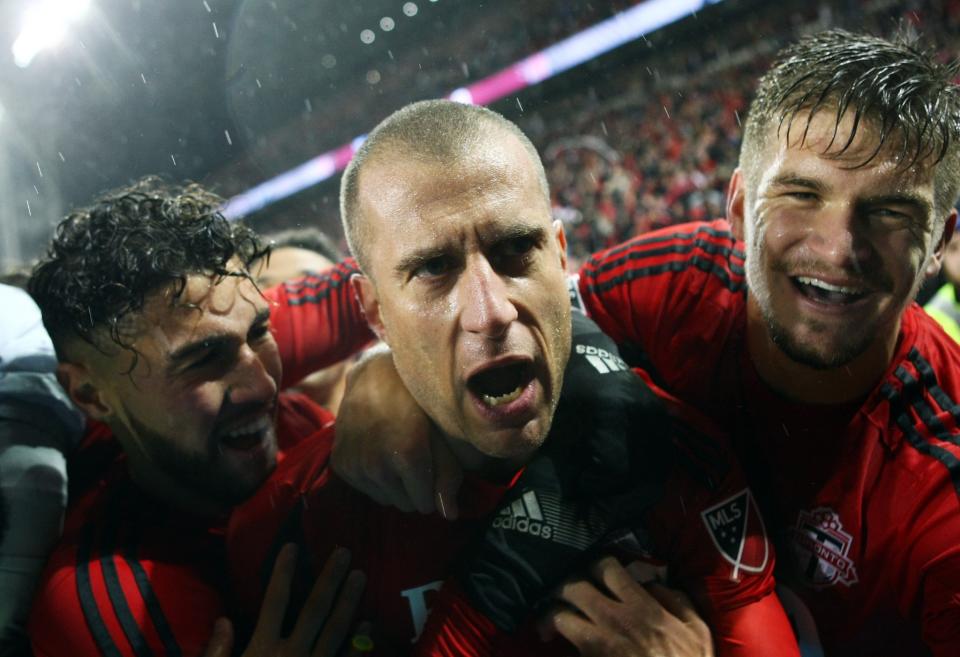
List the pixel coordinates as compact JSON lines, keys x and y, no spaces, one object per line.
{"x":259,"y":332}
{"x":518,"y":247}
{"x":433,"y":268}
{"x":204,"y":360}
{"x":802,"y":195}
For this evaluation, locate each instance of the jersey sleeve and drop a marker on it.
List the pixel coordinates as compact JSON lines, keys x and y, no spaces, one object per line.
{"x":317,"y":321}
{"x":95,"y":603}
{"x":709,"y":529}
{"x":930,"y":579}
{"x":663,"y":289}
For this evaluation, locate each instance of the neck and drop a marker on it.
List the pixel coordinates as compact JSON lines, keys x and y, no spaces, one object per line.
{"x":810,"y":385}
{"x":171,"y":492}
{"x":487,"y":467}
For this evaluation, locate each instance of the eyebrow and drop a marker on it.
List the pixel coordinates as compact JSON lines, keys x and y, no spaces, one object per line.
{"x":793,"y":180}
{"x":496,"y":235}
{"x":191,"y":349}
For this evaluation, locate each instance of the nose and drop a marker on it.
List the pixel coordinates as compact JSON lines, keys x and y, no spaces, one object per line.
{"x":838,"y":235}
{"x":250,"y":382}
{"x":486,"y":308}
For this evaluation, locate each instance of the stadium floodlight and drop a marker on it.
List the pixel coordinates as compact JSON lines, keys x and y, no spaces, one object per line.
{"x":44,"y":26}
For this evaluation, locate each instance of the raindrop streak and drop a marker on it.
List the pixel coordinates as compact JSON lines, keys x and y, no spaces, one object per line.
{"x":206,"y":6}
{"x":666,"y":112}
{"x":216,"y":32}
{"x":518,"y":104}
{"x":603,"y":126}
{"x":36,"y":190}
{"x":390,"y":55}
{"x":226,"y":133}
{"x":308,"y":104}
{"x":737,"y":114}
{"x":259,"y":86}
{"x":39,"y":170}
{"x":29,"y":211}
{"x":62,"y":159}
{"x":465,"y":69}
{"x":173,"y":159}
{"x":143,"y":77}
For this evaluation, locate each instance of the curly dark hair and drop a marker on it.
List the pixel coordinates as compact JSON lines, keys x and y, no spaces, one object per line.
{"x":900,"y":90}
{"x":106,"y":259}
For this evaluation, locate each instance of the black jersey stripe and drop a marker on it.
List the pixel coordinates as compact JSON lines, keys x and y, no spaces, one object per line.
{"x":324,"y":283}
{"x":917,"y":399}
{"x":121,"y":608}
{"x":925,"y":447}
{"x":676,"y":249}
{"x":679,"y":235}
{"x":703,"y":264}
{"x":169,"y":640}
{"x":929,"y":378}
{"x":88,"y":602}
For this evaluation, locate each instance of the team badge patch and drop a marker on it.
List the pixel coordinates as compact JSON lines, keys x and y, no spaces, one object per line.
{"x":736,"y":528}
{"x":821,"y":548}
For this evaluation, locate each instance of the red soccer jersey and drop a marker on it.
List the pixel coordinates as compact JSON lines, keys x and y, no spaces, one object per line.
{"x":862,"y":500}
{"x":705,"y":535}
{"x":131,"y":576}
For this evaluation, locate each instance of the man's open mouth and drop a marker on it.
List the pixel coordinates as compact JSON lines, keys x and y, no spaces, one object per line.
{"x":247,"y":435}
{"x":501,"y":384}
{"x":827,"y":293}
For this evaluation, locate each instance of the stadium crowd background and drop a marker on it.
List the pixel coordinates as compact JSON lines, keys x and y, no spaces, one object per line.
{"x":649,"y":142}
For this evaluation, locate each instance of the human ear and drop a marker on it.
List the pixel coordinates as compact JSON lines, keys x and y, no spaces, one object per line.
{"x":936,"y":258}
{"x":736,"y":203}
{"x":84,"y":390}
{"x":561,"y":238}
{"x":366,"y":293}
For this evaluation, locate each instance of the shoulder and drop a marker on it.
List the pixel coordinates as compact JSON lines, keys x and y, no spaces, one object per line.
{"x":692,"y":249}
{"x":117,"y":586}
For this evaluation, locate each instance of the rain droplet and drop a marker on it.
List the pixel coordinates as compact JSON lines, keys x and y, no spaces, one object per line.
{"x":39,"y":170}
{"x":173,"y":159}
{"x":465,"y":68}
{"x":216,"y":32}
{"x":226,"y":133}
{"x":36,"y":190}
{"x":373,"y":76}
{"x":307,"y":104}
{"x":259,"y":86}
{"x":29,"y":211}
{"x":518,"y":104}
{"x":206,"y":6}
{"x":387,"y":24}
{"x":328,"y":61}
{"x":367,"y":36}
{"x":390,"y":55}
{"x":62,"y":159}
{"x":410,"y":9}
{"x":737,"y":115}
{"x":77,"y":80}
{"x":143,"y":77}
{"x":603,"y":126}
{"x":666,"y":112}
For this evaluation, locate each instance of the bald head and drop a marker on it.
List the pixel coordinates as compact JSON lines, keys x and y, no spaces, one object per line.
{"x":434,"y":132}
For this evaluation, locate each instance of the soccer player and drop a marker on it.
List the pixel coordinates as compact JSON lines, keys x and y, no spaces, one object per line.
{"x":164,"y":341}
{"x":792,"y":323}
{"x":447,"y":211}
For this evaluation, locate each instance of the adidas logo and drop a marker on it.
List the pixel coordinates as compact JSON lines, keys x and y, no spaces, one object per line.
{"x":601,"y":359}
{"x":525,"y":516}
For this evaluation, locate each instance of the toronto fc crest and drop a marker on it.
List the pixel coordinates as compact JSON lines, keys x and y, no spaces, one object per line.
{"x":821,"y":548}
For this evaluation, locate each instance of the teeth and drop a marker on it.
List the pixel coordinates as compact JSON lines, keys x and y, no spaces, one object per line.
{"x":260,"y":424}
{"x":815,"y":282}
{"x":491,"y":400}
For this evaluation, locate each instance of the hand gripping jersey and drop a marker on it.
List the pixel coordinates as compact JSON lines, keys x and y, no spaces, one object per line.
{"x":862,"y":499}
{"x":133,"y":577}
{"x":705,"y":535}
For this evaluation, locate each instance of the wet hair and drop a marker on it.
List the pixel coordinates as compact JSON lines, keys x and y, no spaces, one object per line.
{"x":105,"y":260}
{"x":435,"y":131}
{"x":896,"y":89}
{"x":310,"y":239}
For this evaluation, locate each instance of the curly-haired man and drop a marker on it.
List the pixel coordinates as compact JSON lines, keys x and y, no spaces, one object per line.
{"x":166,"y":343}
